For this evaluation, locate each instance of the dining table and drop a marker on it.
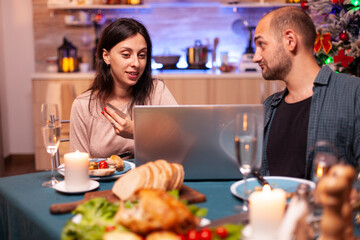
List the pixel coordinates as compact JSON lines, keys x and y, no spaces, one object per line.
{"x":25,"y":204}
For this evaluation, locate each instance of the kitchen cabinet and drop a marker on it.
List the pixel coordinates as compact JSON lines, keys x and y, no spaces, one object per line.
{"x":200,"y":88}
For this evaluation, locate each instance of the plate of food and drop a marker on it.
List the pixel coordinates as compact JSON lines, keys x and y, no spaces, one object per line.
{"x":105,"y":168}
{"x":288,"y":184}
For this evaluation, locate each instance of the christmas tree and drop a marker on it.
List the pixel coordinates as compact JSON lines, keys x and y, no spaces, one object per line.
{"x":338,"y":38}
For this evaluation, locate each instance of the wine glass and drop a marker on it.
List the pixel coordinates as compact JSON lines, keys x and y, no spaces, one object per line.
{"x":50,"y":129}
{"x":246,"y":152}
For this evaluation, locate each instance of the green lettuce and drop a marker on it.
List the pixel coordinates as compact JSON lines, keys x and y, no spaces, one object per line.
{"x":91,"y":220}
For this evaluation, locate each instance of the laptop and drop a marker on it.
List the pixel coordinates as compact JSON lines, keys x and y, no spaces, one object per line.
{"x":200,"y":137}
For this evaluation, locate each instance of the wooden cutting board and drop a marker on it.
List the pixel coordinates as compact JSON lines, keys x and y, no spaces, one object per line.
{"x":186,"y":193}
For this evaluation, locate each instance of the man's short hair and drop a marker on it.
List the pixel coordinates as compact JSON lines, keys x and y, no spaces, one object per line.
{"x":293,"y":18}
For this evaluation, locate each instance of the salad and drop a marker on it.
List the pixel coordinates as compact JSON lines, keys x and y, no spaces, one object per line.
{"x":95,"y":218}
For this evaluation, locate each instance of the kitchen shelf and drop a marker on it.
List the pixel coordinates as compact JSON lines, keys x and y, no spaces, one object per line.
{"x":96,"y":6}
{"x":78,"y":24}
{"x":258,"y":5}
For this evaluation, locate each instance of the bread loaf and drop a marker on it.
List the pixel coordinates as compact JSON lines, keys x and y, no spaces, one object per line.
{"x":128,"y":184}
{"x":153,"y":175}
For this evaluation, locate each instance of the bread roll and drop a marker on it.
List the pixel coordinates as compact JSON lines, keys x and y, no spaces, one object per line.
{"x":115,"y":235}
{"x":162,"y":235}
{"x":115,"y":161}
{"x":101,"y":172}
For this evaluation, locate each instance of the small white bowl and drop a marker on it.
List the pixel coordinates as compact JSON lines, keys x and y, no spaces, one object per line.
{"x":69,"y":19}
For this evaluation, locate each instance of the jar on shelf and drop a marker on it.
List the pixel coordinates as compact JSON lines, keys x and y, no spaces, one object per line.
{"x":51,"y":64}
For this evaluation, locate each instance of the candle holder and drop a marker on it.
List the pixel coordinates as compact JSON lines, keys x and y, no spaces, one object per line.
{"x":325,"y":157}
{"x":67,"y":57}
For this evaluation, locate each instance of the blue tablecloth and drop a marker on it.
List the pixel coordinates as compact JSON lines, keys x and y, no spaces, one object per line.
{"x":24,"y":205}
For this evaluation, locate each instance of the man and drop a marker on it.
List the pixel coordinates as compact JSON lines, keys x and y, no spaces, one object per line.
{"x":317,"y":104}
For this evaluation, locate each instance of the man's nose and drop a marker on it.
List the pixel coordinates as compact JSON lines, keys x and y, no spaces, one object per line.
{"x":257,"y":56}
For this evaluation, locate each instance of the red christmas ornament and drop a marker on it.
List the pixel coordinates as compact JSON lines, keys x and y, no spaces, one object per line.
{"x":341,"y":57}
{"x":304,"y":5}
{"x":344,"y":36}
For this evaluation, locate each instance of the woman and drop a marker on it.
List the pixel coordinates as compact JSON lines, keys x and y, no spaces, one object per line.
{"x":123,"y":79}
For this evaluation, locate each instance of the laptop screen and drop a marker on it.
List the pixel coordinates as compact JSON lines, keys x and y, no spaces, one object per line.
{"x":200,"y":137}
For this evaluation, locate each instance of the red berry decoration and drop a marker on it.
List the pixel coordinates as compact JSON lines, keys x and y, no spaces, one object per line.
{"x":304,"y":5}
{"x":344,"y":36}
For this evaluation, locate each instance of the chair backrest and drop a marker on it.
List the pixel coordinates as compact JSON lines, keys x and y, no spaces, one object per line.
{"x":62,"y":140}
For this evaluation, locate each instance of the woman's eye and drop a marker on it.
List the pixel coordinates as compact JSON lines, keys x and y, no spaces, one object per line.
{"x":126,"y":55}
{"x":142,"y":56}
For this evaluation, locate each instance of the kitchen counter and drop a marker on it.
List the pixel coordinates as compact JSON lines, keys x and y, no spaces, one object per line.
{"x":187,"y":86}
{"x":164,"y":74}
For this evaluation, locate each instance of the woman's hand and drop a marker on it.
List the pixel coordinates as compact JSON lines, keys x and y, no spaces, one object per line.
{"x":122,"y":126}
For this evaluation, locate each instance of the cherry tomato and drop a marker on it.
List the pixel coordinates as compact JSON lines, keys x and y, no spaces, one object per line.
{"x":192,"y":235}
{"x":221,"y":232}
{"x":181,"y":237}
{"x":103,"y":164}
{"x":205,"y":234}
{"x":110,"y":228}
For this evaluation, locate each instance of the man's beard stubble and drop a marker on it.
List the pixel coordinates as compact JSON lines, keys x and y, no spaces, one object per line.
{"x":278,"y":67}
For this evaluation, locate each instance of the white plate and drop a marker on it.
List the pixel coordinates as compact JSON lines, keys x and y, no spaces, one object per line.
{"x":288,"y":184}
{"x":61,"y":187}
{"x":117,"y":174}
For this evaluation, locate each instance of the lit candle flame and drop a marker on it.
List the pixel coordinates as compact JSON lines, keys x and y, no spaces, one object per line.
{"x":266,"y":188}
{"x":319,"y":171}
{"x":245,"y":122}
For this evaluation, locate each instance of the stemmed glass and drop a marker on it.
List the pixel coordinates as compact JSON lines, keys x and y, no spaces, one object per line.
{"x":246,"y":152}
{"x":50,"y":128}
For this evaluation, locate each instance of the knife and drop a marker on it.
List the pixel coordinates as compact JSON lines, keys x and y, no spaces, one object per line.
{"x":120,"y":113}
{"x":260,"y":178}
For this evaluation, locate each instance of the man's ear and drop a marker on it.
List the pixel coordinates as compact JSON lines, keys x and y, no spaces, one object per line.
{"x":291,"y":39}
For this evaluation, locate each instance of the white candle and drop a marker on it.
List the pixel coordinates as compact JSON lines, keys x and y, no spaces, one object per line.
{"x":76,"y":170}
{"x":267,"y":208}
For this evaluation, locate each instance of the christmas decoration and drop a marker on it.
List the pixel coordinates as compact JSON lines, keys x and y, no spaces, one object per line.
{"x":304,"y":5}
{"x":324,"y":41}
{"x":345,"y":60}
{"x":338,"y":41}
{"x":344,"y":36}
